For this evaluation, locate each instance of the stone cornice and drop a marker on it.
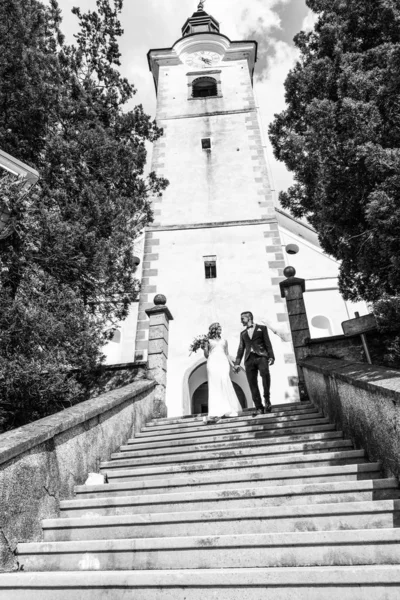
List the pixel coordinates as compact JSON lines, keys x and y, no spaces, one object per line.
{"x":215,"y":113}
{"x":216,"y":42}
{"x":213,"y":225}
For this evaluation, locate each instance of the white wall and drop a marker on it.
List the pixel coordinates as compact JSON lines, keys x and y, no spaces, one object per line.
{"x":243,"y":283}
{"x":173,"y":85}
{"x":322,"y":295}
{"x":124,"y":350}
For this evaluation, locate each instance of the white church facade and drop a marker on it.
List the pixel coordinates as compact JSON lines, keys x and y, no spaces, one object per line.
{"x":218,"y":245}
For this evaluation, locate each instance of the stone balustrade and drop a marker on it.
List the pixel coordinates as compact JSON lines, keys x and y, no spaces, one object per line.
{"x":42,"y":462}
{"x":363,"y":401}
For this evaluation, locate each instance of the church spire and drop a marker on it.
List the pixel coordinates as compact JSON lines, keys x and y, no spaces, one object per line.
{"x":200,"y":22}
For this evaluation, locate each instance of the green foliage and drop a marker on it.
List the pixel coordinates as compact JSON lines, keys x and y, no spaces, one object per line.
{"x":387,"y":312}
{"x":10,"y":198}
{"x":340,"y":136}
{"x":67,"y":271}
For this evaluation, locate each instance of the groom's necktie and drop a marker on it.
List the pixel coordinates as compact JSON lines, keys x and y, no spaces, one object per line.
{"x":250,"y":331}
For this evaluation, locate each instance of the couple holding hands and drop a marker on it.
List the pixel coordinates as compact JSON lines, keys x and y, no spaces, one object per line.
{"x":256,"y":348}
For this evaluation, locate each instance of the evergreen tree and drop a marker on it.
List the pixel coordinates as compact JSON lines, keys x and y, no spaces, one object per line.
{"x":68,"y":270}
{"x":340,"y":136}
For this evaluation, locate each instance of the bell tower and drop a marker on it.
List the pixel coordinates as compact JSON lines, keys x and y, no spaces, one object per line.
{"x":214,"y":248}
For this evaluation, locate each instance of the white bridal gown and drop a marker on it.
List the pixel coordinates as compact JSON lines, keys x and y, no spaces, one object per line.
{"x":222,"y":399}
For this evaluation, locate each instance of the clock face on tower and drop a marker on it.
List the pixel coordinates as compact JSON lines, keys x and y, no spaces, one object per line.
{"x":203,"y":58}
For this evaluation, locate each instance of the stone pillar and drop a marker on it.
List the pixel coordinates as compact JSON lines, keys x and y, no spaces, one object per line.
{"x":292,"y":290}
{"x":157,"y":358}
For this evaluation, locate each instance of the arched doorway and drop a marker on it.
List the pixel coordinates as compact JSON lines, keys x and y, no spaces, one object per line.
{"x":200,"y":398}
{"x":195,"y":389}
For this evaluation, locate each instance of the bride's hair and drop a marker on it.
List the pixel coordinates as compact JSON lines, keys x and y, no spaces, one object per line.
{"x":212,"y":331}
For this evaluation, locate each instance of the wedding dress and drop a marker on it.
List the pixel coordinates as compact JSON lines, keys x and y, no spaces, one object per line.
{"x":222,"y":399}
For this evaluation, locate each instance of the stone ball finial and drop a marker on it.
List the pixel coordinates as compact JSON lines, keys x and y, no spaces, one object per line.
{"x":289,"y":272}
{"x":160,"y":300}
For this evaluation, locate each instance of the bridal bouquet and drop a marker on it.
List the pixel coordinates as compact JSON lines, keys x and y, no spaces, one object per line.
{"x":198,"y":343}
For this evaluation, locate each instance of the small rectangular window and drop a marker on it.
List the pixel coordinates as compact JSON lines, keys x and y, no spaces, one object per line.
{"x":211,"y":271}
{"x":206,"y":143}
{"x":210,"y":267}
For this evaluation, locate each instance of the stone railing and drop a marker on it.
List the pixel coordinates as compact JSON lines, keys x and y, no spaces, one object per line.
{"x":41,"y":463}
{"x":337,"y":346}
{"x":363,"y":401}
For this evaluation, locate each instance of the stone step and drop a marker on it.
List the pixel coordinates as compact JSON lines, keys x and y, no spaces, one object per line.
{"x":230,"y":425}
{"x":251,"y":497}
{"x":321,"y":548}
{"x":119,"y":461}
{"x":382,"y":514}
{"x":288,"y":408}
{"x":134,"y":443}
{"x":233,"y":480}
{"x":289,"y":461}
{"x":208,"y":430}
{"x":377,"y":582}
{"x":183,"y":425}
{"x":128,"y":451}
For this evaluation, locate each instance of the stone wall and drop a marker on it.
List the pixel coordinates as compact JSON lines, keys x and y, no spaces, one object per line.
{"x":337,"y":346}
{"x":363,"y":401}
{"x":41,"y":463}
{"x":351,"y":348}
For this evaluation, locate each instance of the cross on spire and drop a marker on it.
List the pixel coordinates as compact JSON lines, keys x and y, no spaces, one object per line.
{"x":201,"y":5}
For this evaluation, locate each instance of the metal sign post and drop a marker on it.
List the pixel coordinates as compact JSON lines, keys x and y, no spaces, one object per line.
{"x":360,"y":326}
{"x":364,"y":342}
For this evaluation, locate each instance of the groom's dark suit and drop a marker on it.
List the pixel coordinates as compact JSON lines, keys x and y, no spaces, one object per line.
{"x":257,"y":351}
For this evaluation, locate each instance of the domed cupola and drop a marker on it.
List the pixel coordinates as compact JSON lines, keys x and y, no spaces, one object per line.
{"x":200,"y":22}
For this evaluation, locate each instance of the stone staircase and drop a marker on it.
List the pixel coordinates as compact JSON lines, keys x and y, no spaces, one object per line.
{"x":278,"y":506}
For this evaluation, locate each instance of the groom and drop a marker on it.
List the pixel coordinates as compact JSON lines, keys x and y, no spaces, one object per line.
{"x":259,"y":355}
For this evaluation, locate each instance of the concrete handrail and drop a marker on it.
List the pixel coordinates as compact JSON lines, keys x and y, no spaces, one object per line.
{"x":41,"y":463}
{"x":363,"y":401}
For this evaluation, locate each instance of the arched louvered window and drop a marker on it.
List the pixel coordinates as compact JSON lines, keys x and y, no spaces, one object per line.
{"x":204,"y":87}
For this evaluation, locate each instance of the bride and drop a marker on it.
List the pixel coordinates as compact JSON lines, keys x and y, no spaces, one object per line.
{"x":222,"y":399}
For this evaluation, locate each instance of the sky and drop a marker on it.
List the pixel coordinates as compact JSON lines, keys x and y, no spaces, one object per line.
{"x":157,"y":24}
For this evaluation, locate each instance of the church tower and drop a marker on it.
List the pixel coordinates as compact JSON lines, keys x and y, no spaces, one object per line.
{"x":214,"y":248}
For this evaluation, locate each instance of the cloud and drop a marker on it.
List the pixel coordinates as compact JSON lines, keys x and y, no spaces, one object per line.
{"x":140,"y":75}
{"x":235,"y":16}
{"x":270,"y":95}
{"x":238,"y":18}
{"x":309,"y":21}
{"x":270,"y":89}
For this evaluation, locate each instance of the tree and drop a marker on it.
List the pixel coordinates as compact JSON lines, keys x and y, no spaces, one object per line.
{"x":68,"y":270}
{"x":340,"y":137}
{"x":29,"y":78}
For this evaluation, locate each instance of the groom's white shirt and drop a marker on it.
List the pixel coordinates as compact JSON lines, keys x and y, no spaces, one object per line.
{"x":251,"y":330}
